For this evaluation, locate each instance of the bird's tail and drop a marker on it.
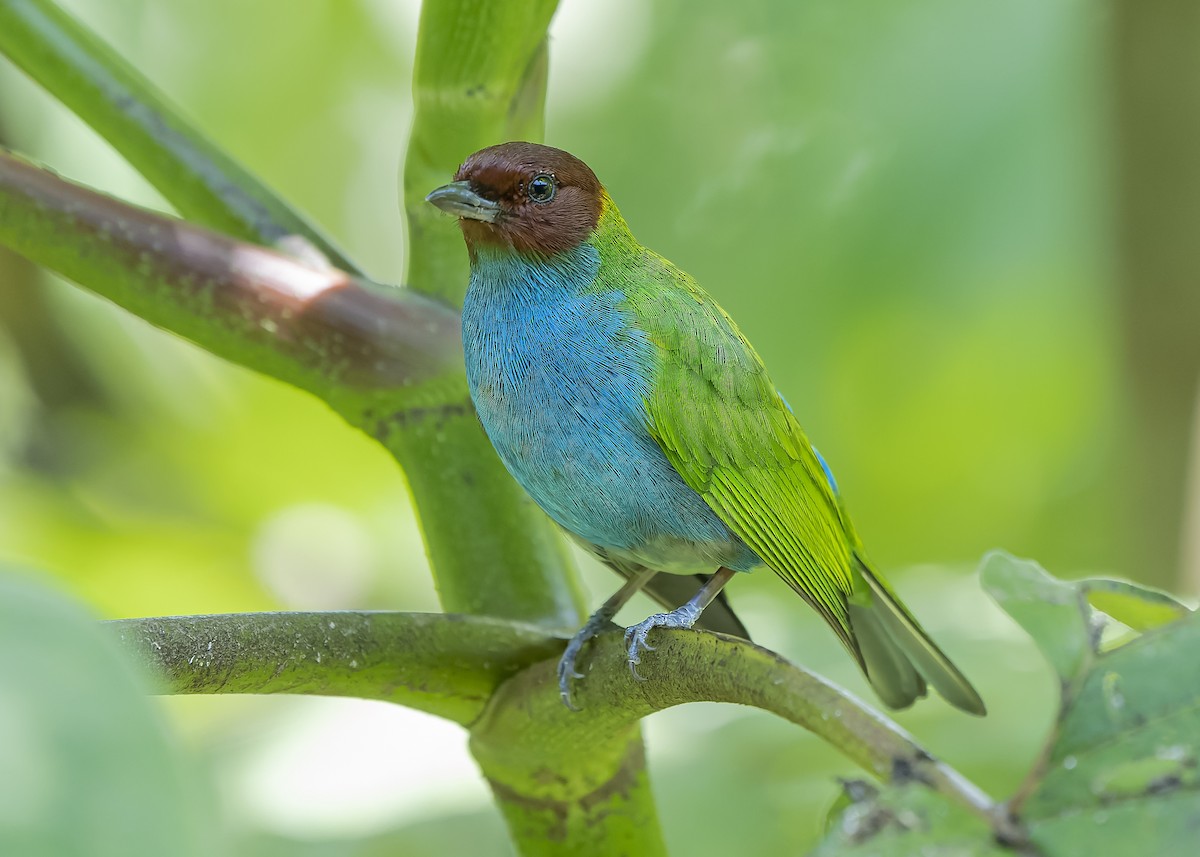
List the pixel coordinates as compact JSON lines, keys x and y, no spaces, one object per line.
{"x":899,"y":657}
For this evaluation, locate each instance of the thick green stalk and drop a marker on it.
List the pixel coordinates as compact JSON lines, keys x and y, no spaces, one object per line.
{"x":444,"y":664}
{"x":480,"y":79}
{"x":203,"y":183}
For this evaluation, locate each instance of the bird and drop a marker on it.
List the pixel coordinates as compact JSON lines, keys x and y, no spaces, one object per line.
{"x":631,"y":408}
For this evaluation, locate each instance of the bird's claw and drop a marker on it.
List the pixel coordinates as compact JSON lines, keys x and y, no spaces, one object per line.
{"x":633,"y":665}
{"x":567,"y":671}
{"x":635,"y":644}
{"x":635,"y":635}
{"x":566,"y":699}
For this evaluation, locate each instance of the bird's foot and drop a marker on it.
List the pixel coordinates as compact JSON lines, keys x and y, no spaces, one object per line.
{"x":567,"y":671}
{"x":566,"y":668}
{"x":635,"y":635}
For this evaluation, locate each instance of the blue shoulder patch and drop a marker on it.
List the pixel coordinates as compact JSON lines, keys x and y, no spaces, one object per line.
{"x":828,"y":473}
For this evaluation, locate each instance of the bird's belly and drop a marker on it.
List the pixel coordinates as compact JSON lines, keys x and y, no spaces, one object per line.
{"x":609,"y":485}
{"x":565,"y":413}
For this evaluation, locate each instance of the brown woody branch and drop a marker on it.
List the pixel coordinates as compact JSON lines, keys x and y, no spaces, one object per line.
{"x":298,"y":320}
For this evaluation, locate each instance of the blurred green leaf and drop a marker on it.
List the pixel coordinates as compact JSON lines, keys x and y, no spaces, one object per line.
{"x":88,"y":767}
{"x":1049,"y":610}
{"x":1123,"y":776}
{"x":1139,"y":607}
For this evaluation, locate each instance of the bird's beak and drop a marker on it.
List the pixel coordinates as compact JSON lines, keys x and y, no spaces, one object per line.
{"x":458,"y":199}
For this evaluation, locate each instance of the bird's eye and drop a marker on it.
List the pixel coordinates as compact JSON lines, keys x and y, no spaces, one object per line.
{"x":541,"y":188}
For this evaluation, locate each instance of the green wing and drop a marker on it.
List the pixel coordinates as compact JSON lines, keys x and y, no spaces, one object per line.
{"x":723,"y":426}
{"x":725,"y":429}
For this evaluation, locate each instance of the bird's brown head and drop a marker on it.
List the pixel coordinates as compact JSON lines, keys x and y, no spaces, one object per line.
{"x":532,"y":198}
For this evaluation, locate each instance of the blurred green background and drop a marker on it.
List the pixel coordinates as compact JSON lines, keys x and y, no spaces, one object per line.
{"x":913,"y":210}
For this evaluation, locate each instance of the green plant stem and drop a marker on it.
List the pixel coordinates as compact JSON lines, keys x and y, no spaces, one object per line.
{"x":203,"y":183}
{"x":498,"y":678}
{"x":691,"y":666}
{"x":479,"y":79}
{"x":444,"y":664}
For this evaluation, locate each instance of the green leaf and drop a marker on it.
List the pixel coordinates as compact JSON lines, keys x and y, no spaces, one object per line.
{"x":1123,"y":776}
{"x":1139,"y":607}
{"x":88,"y":767}
{"x":1120,"y":773}
{"x":1052,"y":612}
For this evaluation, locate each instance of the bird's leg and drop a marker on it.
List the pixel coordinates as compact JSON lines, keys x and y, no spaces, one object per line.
{"x":597,"y":622}
{"x":683,"y":617}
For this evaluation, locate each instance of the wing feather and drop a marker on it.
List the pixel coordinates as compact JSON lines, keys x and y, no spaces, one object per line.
{"x":723,"y":426}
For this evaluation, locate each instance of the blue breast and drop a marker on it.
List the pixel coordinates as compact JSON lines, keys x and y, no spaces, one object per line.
{"x":558,"y":375}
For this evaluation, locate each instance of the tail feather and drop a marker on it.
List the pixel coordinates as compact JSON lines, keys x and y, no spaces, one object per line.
{"x":891,"y":674}
{"x":900,"y":657}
